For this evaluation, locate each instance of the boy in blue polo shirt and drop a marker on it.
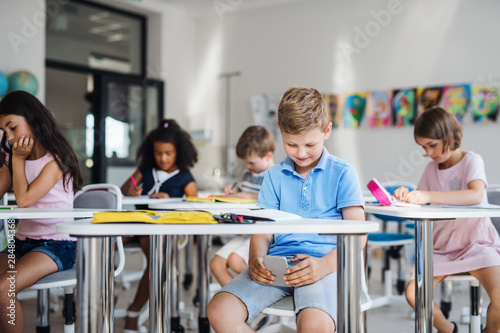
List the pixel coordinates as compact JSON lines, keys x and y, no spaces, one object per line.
{"x":313,"y":184}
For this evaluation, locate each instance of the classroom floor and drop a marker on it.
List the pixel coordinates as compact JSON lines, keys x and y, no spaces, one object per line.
{"x":395,"y":318}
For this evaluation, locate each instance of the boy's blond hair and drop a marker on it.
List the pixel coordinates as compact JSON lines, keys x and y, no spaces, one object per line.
{"x":301,"y":110}
{"x":256,"y":140}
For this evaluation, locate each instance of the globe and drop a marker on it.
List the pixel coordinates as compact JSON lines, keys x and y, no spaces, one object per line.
{"x":23,"y":80}
{"x":4,"y":84}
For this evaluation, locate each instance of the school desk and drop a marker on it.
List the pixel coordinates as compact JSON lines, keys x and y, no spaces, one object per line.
{"x":94,"y":282}
{"x":44,"y":213}
{"x":424,"y":217}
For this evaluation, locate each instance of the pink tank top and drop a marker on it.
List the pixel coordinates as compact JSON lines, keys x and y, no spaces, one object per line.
{"x":57,"y":197}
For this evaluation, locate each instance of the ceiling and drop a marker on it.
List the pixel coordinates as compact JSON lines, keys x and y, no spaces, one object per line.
{"x":210,"y":7}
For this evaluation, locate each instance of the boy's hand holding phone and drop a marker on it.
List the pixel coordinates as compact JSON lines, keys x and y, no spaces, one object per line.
{"x":258,"y":271}
{"x":308,"y":270}
{"x":278,"y":266}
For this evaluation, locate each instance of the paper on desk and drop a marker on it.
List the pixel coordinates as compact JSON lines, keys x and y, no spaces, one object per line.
{"x":399,"y":203}
{"x":220,"y":198}
{"x":487,"y":206}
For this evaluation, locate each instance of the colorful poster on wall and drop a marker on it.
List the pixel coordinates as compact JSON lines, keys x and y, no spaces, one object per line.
{"x":332,"y":103}
{"x":485,"y":103}
{"x":353,"y":109}
{"x":404,"y":107}
{"x":265,"y":111}
{"x":456,"y":100}
{"x":428,"y":97}
{"x":378,"y":109}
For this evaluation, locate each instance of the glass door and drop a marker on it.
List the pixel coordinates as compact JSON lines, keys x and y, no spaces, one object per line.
{"x":123,"y":110}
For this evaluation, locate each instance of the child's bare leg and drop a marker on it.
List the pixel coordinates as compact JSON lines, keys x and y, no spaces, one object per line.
{"x":227,"y":313}
{"x":440,"y":322}
{"x":314,"y":320}
{"x":236,"y":263}
{"x":218,"y":267}
{"x":29,"y":269}
{"x":489,"y":278}
{"x":142,"y":293}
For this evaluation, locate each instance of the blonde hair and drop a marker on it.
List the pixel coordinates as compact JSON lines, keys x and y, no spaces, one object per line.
{"x":255,"y":140}
{"x":301,"y":110}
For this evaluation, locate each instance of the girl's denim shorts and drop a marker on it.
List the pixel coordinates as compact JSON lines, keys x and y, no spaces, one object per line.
{"x":63,"y":252}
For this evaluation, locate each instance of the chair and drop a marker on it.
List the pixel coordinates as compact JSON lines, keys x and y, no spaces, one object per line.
{"x":394,"y":242}
{"x":471,"y":317}
{"x":98,"y":196}
{"x":285,"y":307}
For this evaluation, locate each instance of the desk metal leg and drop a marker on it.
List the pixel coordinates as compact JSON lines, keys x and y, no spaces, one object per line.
{"x":348,"y":284}
{"x":159,"y":268}
{"x":423,"y":276}
{"x":96,"y":259}
{"x":174,"y":286}
{"x":188,"y":273}
{"x":203,"y":276}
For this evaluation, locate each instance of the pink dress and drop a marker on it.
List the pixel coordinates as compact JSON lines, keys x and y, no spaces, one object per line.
{"x":57,"y":197}
{"x":461,"y":245}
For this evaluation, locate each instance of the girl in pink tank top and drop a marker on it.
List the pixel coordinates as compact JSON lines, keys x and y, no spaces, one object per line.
{"x":42,"y":168}
{"x":456,"y":177}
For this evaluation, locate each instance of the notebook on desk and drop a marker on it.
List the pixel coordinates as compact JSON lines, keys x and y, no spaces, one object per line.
{"x":384,"y":197}
{"x":220,"y":198}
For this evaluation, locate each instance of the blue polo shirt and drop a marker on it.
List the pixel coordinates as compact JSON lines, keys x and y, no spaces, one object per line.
{"x":332,"y":185}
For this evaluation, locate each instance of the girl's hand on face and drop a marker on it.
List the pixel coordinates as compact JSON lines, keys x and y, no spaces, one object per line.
{"x":23,"y":146}
{"x":401,"y":193}
{"x":159,"y":195}
{"x":307,"y":271}
{"x":258,"y":271}
{"x":418,"y":197}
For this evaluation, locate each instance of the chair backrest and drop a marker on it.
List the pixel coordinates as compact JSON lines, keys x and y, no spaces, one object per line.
{"x":100,"y":196}
{"x":103,"y":196}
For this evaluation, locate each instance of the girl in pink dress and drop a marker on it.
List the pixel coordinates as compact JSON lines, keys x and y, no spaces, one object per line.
{"x":42,"y":168}
{"x":456,"y":177}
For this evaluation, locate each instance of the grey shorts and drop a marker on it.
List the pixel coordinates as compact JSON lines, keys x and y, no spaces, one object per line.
{"x":322,"y":294}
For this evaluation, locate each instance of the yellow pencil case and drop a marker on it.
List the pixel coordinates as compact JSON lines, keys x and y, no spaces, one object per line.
{"x":147,"y":216}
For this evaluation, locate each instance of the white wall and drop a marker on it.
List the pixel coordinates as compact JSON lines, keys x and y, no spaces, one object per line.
{"x":298,"y":43}
{"x":425,"y":43}
{"x":22,"y":41}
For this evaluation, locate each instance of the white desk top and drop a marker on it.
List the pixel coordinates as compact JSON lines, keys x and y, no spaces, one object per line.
{"x":431,"y":212}
{"x":146,"y":200}
{"x":44,"y":213}
{"x":85,"y":228}
{"x":202,"y":205}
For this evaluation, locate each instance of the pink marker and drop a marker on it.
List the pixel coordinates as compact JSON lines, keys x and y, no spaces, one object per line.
{"x":133,"y":180}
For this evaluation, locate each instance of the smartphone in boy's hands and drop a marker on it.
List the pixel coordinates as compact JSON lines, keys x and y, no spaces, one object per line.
{"x":277,"y":265}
